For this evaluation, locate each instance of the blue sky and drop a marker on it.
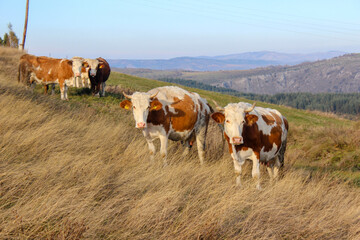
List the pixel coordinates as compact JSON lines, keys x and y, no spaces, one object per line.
{"x":149,"y":29}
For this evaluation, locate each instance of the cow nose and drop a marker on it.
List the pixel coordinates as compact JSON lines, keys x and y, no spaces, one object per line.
{"x":140,"y":125}
{"x":78,"y":74}
{"x":237,"y":140}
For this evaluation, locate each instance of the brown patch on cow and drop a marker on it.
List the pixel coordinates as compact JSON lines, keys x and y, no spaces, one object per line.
{"x":218,"y":117}
{"x":277,"y":118}
{"x":126,"y":104}
{"x":269,"y":120}
{"x":185,"y":117}
{"x":155,"y":105}
{"x":228,"y":141}
{"x":159,"y":118}
{"x":251,"y":119}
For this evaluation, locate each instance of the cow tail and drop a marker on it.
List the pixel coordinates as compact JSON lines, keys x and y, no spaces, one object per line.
{"x":282,"y":153}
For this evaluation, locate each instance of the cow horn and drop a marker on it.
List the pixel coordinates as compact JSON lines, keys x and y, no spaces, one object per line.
{"x":127,"y":96}
{"x":250,"y":108}
{"x":154,"y":95}
{"x":217,"y":106}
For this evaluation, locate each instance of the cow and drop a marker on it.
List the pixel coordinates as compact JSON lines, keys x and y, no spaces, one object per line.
{"x":46,"y":70}
{"x":254,"y":133}
{"x":99,"y":72}
{"x":170,"y":113}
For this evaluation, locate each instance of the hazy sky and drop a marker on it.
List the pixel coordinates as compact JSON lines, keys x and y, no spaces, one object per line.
{"x":147,"y":29}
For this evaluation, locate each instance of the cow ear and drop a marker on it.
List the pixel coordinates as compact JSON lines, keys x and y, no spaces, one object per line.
{"x":155,"y":105}
{"x":218,"y":117}
{"x":251,"y":119}
{"x":126,"y":104}
{"x":70,"y":62}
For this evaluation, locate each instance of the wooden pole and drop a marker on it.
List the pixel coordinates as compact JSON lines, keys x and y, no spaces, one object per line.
{"x":25,"y":25}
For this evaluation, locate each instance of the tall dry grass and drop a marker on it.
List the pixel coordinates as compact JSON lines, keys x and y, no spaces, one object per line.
{"x":70,"y":172}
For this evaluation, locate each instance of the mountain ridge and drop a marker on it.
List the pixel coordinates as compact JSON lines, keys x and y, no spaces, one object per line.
{"x":337,"y":75}
{"x":241,"y":61}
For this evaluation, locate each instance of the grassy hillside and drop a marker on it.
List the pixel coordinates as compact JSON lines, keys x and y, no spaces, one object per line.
{"x":79,"y":169}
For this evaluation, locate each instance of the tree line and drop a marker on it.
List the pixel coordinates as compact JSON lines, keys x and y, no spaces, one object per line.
{"x":339,"y":103}
{"x":10,"y":39}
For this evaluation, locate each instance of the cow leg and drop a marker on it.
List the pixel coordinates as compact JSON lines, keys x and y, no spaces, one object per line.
{"x":237,"y":167}
{"x":66,"y":92}
{"x":276,"y":168}
{"x":46,"y":87}
{"x":62,"y":91}
{"x":53,"y":89}
{"x":256,"y":170}
{"x":270,"y":170}
{"x":238,"y":162}
{"x":83,"y":81}
{"x":103,"y":85}
{"x":92,"y":86}
{"x":152,"y":149}
{"x":200,"y":142}
{"x":163,"y":148}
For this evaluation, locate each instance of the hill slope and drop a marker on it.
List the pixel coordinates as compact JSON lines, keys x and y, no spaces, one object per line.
{"x":340,"y":74}
{"x":79,"y":169}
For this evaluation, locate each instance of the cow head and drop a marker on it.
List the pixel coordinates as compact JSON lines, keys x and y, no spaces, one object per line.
{"x":93,"y":65}
{"x":141,"y":104}
{"x":77,"y":65}
{"x":234,"y":116}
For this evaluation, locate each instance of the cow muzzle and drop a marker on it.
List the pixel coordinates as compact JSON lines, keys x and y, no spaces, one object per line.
{"x":77,"y":74}
{"x":140,"y":125}
{"x":237,"y":140}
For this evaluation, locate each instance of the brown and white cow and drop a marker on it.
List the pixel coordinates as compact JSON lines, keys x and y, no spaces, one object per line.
{"x":98,"y":76}
{"x":254,"y":133}
{"x":46,"y":70}
{"x":170,"y":113}
{"x":81,"y":73}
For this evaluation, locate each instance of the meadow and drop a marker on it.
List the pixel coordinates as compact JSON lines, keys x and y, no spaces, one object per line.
{"x":79,"y":169}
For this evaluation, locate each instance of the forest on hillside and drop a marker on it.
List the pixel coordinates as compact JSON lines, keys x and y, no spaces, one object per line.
{"x":339,"y":103}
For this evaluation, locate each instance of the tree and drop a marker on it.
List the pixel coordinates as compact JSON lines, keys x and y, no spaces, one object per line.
{"x":13,"y":39}
{"x":6,"y":41}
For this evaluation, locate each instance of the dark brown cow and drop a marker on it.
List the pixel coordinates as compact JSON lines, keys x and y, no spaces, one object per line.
{"x":45,"y":70}
{"x":98,"y":79}
{"x":254,"y":133}
{"x":170,"y":113}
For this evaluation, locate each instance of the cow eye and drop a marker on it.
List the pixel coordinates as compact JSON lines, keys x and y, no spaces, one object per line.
{"x":134,"y":107}
{"x":228,"y":121}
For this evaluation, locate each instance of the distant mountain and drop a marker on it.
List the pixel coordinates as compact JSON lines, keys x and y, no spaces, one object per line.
{"x":242,"y":61}
{"x":337,"y":75}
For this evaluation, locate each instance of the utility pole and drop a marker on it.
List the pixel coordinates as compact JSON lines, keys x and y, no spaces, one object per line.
{"x":25,"y":25}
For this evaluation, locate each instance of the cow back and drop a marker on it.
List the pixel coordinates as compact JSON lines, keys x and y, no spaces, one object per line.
{"x":182,"y":111}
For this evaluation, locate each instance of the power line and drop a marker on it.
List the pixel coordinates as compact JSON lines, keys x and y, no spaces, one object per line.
{"x":204,"y":14}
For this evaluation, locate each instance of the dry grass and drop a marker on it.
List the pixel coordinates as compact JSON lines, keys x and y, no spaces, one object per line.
{"x":69,"y":172}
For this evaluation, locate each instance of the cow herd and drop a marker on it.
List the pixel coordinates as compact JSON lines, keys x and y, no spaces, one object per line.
{"x":252,"y":133}
{"x":76,"y":72}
